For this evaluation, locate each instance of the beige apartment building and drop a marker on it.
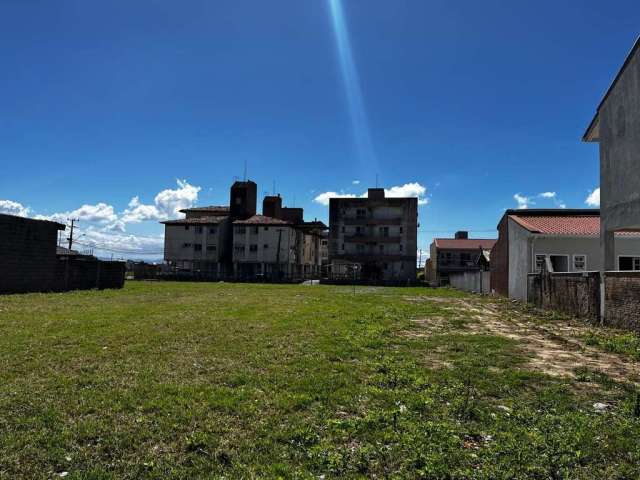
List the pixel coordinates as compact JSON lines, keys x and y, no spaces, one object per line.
{"x":373,"y":238}
{"x":236,"y":243}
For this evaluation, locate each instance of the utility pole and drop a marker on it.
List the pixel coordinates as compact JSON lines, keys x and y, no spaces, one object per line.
{"x":420,"y":259}
{"x":73,"y":220}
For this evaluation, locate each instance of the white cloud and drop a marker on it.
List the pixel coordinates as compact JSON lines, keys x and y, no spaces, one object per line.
{"x":13,"y":208}
{"x":593,"y":200}
{"x":118,"y":243}
{"x":523,"y":202}
{"x":170,"y":202}
{"x":356,"y":182}
{"x":407,"y":190}
{"x":138,"y":212}
{"x":323,"y":198}
{"x":548,"y":195}
{"x":98,"y":213}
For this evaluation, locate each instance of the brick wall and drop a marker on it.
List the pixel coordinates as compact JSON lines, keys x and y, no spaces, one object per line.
{"x":622,"y":299}
{"x":27,"y":254}
{"x":576,"y":294}
{"x":500,"y":260}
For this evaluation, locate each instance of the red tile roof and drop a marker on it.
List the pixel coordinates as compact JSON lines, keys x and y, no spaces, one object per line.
{"x":213,"y":220}
{"x":465,"y":243}
{"x":212,"y":210}
{"x":261,"y":220}
{"x":578,"y":225}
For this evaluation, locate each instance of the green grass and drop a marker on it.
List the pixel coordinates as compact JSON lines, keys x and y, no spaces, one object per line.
{"x":196,"y":380}
{"x":615,"y":341}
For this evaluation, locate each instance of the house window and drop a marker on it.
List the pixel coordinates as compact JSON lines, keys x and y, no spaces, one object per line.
{"x":579,"y":263}
{"x":186,"y":245}
{"x":198,"y":229}
{"x":401,"y":230}
{"x":384,"y":231}
{"x":343,"y":246}
{"x":629,"y":263}
{"x":212,"y":248}
{"x":400,"y":247}
{"x":241,"y":230}
{"x":361,"y":213}
{"x":239,"y":248}
{"x":265,"y":246}
{"x":255,"y":230}
{"x":266,"y":228}
{"x":213,"y":230}
{"x":186,"y":227}
{"x":540,"y":260}
{"x":197,"y":247}
{"x":358,"y":230}
{"x":560,"y":263}
{"x":253,"y":248}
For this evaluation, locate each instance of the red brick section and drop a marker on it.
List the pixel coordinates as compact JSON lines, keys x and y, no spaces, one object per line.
{"x":622,"y":300}
{"x":500,"y":260}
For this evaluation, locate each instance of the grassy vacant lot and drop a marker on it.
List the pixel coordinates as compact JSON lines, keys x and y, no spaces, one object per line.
{"x":241,"y":381}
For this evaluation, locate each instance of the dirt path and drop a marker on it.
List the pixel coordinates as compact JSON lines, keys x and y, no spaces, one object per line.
{"x":554,"y":348}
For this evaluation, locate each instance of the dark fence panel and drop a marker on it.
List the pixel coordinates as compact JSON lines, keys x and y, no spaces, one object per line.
{"x":576,"y":294}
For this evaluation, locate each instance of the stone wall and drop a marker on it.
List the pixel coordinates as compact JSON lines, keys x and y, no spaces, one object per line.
{"x":622,"y":300}
{"x":576,"y":294}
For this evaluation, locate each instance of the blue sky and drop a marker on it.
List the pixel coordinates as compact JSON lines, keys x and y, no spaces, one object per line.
{"x":105,"y":102}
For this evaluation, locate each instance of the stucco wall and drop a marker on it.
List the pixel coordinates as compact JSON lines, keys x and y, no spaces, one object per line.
{"x":519,"y":260}
{"x":620,"y":151}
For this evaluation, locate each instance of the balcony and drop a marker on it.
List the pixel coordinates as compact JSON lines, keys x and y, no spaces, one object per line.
{"x":364,"y":238}
{"x":372,"y":221}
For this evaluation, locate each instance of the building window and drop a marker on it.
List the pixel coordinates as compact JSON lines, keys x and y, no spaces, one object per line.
{"x":629,"y":263}
{"x":241,"y":230}
{"x":401,"y":247}
{"x":381,"y":248}
{"x":197,"y":247}
{"x":360,"y":248}
{"x":560,"y":263}
{"x":358,"y":230}
{"x":384,"y":231}
{"x":212,"y":248}
{"x":239,"y":248}
{"x":186,"y":245}
{"x":401,"y":230}
{"x":579,"y":263}
{"x":253,"y":248}
{"x":186,"y":227}
{"x":254,"y":230}
{"x":342,"y":229}
{"x":213,"y":230}
{"x":265,"y":246}
{"x":540,"y":261}
{"x":343,"y":246}
{"x":266,"y":228}
{"x":198,"y":229}
{"x":361,"y":213}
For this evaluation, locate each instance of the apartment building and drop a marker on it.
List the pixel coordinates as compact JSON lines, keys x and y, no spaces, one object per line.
{"x":373,"y":238}
{"x":235,"y":242}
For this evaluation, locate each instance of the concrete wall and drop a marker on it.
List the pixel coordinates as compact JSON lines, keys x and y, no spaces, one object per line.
{"x":86,"y":274}
{"x":622,"y":300}
{"x":27,"y":255}
{"x":519,"y":260}
{"x":261,"y":235}
{"x":500,"y":260}
{"x":576,"y":294}
{"x":619,"y":118}
{"x":479,"y":282}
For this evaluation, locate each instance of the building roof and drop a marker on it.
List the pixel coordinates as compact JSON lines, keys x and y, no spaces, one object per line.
{"x":211,"y":209}
{"x":6,"y":218}
{"x":584,"y":222}
{"x":464,"y":243}
{"x":592,"y":134}
{"x":213,"y":220}
{"x":261,"y":220}
{"x":65,"y":251}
